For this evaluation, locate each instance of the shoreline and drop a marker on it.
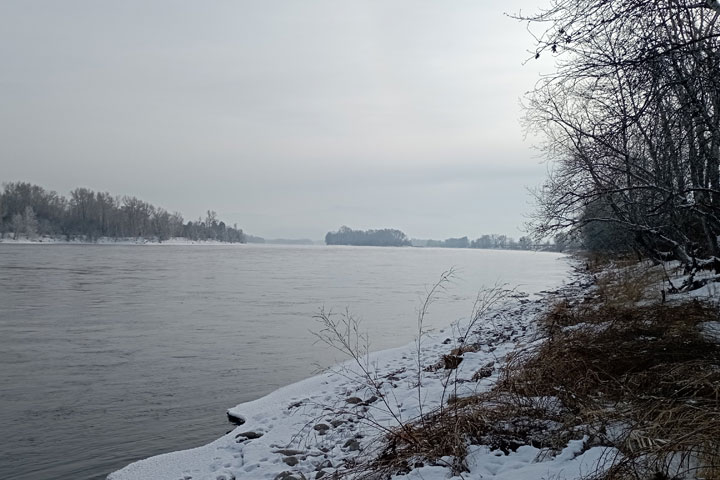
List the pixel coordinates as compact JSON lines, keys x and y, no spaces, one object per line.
{"x":182,"y":241}
{"x":315,"y":428}
{"x":140,"y":241}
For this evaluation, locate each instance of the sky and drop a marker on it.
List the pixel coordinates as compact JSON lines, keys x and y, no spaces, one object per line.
{"x":287,"y":117}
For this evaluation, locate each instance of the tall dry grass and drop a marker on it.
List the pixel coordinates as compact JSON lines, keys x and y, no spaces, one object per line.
{"x":618,"y":365}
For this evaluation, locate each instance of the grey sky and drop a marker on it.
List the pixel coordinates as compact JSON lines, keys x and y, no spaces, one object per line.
{"x":289,"y":117}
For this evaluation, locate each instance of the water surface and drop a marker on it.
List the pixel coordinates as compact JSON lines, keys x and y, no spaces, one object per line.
{"x":110,"y":354}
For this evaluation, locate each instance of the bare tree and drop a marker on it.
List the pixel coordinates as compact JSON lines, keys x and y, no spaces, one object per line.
{"x":30,"y":222}
{"x":91,"y":215}
{"x":631,"y":119}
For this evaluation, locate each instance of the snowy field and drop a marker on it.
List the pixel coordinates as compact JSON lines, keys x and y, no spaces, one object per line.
{"x":111,"y":241}
{"x":314,"y":428}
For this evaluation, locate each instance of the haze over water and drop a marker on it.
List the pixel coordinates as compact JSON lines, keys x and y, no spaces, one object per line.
{"x":109,"y":354}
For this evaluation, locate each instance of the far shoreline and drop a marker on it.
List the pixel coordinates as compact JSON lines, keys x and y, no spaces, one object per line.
{"x":175,"y":241}
{"x":185,"y":242}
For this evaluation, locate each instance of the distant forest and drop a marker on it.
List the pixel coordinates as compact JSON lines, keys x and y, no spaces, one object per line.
{"x":494,"y":241}
{"x":395,"y":238}
{"x":31,"y":211}
{"x":278,"y":241}
{"x":386,"y":237}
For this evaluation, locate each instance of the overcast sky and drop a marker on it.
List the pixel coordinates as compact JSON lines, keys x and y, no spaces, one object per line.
{"x":289,"y":117}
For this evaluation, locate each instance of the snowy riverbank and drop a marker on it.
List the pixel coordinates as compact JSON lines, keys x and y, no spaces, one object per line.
{"x":317,"y":427}
{"x":110,"y":241}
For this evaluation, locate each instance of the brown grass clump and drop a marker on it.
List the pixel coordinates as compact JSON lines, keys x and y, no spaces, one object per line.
{"x":485,"y":419}
{"x":598,"y":262}
{"x":612,"y":344}
{"x":453,"y":359}
{"x":642,"y":379}
{"x":629,"y":284}
{"x":639,"y":377}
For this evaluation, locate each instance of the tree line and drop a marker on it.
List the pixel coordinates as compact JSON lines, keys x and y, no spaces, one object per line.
{"x":31,"y":211}
{"x":631,"y":121}
{"x":396,"y":238}
{"x":386,"y":237}
{"x":493,"y":241}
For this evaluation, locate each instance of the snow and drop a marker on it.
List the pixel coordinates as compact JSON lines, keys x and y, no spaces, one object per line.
{"x":709,"y":291}
{"x":711,"y":330}
{"x":317,"y":424}
{"x":111,"y":241}
{"x":525,"y":463}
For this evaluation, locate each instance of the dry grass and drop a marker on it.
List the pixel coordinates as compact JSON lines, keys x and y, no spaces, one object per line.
{"x":627,"y":372}
{"x":639,"y":378}
{"x":489,"y":419}
{"x":626,"y":285}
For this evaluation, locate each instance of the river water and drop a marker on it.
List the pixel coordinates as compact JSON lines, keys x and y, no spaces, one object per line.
{"x":110,"y":354}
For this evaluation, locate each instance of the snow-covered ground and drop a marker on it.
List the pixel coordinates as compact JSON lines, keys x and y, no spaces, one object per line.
{"x":111,"y":241}
{"x":312,"y":428}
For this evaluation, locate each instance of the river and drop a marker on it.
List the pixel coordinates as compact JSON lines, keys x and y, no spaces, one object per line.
{"x":110,"y":354}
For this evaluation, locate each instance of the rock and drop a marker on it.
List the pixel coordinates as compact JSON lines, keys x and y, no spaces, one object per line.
{"x":352,"y":445}
{"x":324,"y":464}
{"x":235,"y":419}
{"x":288,"y":452}
{"x":465,"y":348}
{"x":451,"y":362}
{"x":291,"y":461}
{"x":320,"y":474}
{"x":321,"y":428}
{"x":290,"y":476}
{"x":248,"y":436}
{"x":354,"y":400}
{"x":337,"y":423}
{"x":370,"y":400}
{"x":484,"y":372}
{"x":447,"y":341}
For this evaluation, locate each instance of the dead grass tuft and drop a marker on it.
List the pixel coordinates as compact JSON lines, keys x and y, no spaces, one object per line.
{"x":640,"y":378}
{"x":487,"y":419}
{"x":453,"y":359}
{"x":628,"y":373}
{"x":620,"y":287}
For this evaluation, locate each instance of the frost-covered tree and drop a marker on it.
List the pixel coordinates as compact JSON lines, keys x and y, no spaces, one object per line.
{"x":18,"y":225}
{"x":30,"y":223}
